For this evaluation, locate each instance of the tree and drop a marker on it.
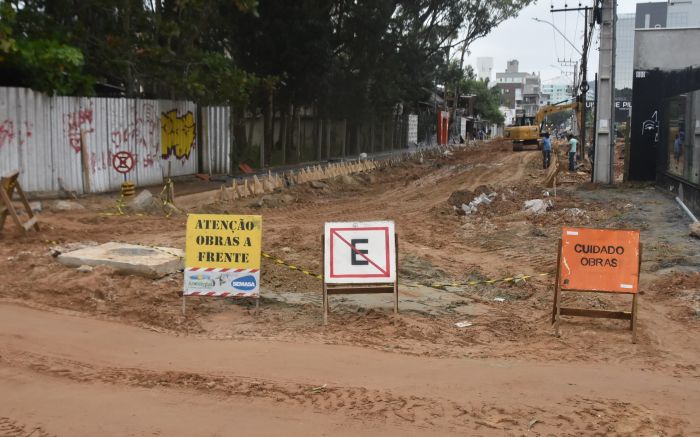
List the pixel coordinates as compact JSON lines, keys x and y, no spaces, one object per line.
{"x":481,"y":17}
{"x":42,"y":63}
{"x":356,"y":60}
{"x":486,"y":100}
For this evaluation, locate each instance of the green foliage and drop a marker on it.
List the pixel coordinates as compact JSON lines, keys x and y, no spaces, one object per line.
{"x":43,"y":64}
{"x":215,"y":80}
{"x":354,"y":59}
{"x":50,"y":66}
{"x":7,"y":44}
{"x":486,"y":101}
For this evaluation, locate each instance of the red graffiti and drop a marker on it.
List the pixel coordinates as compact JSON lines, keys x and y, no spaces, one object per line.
{"x":26,"y":134}
{"x":75,"y":122}
{"x":148,"y":161}
{"x":7,"y":132}
{"x":142,"y":133}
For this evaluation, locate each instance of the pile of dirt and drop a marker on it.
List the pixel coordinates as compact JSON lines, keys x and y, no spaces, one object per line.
{"x":460,"y":197}
{"x":420,"y":270}
{"x":681,"y":291}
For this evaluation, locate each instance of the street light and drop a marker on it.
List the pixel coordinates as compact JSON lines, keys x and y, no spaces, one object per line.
{"x":564,"y":36}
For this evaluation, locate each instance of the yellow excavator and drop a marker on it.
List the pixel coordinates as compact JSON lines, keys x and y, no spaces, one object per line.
{"x":529,"y":129}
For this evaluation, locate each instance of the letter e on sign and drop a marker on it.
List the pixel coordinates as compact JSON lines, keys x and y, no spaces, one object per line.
{"x":360,"y":253}
{"x":599,"y":260}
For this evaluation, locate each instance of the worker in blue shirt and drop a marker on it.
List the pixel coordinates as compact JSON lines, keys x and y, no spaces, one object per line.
{"x":546,"y":150}
{"x":573,"y":143}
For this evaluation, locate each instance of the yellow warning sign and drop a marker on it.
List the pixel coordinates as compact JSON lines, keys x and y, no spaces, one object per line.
{"x":218,"y":241}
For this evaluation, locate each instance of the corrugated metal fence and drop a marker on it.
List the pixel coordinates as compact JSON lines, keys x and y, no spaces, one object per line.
{"x":68,"y":143}
{"x":217,"y":137}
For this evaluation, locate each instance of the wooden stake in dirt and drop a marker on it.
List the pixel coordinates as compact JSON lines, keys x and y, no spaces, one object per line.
{"x":598,"y":260}
{"x":8,"y":185}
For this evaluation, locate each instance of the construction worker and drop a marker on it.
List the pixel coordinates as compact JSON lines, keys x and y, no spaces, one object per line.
{"x":573,"y":144}
{"x":546,"y":150}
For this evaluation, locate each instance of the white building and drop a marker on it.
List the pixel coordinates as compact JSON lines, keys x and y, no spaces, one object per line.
{"x":680,"y":13}
{"x":484,"y":67}
{"x":684,"y":13}
{"x":558,"y":89}
{"x":624,"y":50}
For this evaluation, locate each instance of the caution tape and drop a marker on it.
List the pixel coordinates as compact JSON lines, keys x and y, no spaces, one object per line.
{"x":290,"y":266}
{"x":281,"y":262}
{"x":487,"y":281}
{"x":160,"y":249}
{"x":514,"y":278}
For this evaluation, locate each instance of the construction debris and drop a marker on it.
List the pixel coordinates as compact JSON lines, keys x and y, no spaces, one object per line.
{"x":537,"y":206}
{"x":482,"y":198}
{"x":695,"y":229}
{"x":151,"y":262}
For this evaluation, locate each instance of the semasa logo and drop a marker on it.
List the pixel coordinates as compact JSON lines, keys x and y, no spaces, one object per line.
{"x":244,"y":283}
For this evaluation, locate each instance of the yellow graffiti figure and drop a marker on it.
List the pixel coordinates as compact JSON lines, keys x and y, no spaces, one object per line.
{"x":177,"y":134}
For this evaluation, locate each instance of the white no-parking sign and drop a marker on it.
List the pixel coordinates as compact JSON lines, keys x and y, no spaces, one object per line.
{"x":360,"y":253}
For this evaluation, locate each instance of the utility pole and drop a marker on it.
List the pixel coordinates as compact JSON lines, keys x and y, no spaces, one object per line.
{"x":605,"y":111}
{"x":583,"y":87}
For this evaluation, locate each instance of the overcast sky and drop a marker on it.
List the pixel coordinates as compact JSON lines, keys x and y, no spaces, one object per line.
{"x":537,"y":46}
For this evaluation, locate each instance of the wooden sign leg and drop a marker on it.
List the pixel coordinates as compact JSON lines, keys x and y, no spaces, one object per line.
{"x":557,"y":316}
{"x":556,"y":283}
{"x":633,"y":322}
{"x":325,"y":304}
{"x":23,"y":198}
{"x":7,"y":200}
{"x":3,"y":212}
{"x":396,"y":282}
{"x":324,"y":289}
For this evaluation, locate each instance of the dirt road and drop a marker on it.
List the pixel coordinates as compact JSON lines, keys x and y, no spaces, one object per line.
{"x":102,"y":353}
{"x":107,"y":373}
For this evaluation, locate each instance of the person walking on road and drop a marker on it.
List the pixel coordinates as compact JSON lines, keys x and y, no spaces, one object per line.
{"x":573,"y":143}
{"x":546,"y":150}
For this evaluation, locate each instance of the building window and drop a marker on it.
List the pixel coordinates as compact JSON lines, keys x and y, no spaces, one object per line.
{"x":677,"y":19}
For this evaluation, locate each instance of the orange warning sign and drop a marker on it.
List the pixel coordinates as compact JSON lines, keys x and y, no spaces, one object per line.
{"x":599,"y":260}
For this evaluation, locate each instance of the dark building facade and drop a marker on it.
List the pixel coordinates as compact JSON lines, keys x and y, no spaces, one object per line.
{"x":651,"y":15}
{"x":665,"y":126}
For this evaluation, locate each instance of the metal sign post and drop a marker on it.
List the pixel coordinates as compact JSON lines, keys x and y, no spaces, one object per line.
{"x":123,"y":162}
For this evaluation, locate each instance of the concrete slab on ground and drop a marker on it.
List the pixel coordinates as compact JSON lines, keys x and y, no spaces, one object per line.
{"x":152,"y":262}
{"x":412,"y":297}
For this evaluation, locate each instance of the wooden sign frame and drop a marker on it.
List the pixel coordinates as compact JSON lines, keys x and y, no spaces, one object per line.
{"x":8,"y":184}
{"x":329,"y":289}
{"x":558,"y":310}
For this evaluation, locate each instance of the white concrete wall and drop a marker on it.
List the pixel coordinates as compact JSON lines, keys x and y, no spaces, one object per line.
{"x":666,"y":49}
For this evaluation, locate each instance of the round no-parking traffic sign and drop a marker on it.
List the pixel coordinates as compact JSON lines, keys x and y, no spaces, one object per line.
{"x":123,"y":162}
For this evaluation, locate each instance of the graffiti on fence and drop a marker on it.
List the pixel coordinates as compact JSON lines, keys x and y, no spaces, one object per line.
{"x":177,"y":134}
{"x":141,"y":131}
{"x":8,"y":133}
{"x":75,"y":123}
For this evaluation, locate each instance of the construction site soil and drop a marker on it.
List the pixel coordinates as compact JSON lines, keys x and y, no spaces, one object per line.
{"x":102,"y":353}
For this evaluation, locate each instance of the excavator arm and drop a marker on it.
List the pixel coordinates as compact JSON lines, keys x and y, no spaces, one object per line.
{"x":553,"y":109}
{"x":524,"y":135}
